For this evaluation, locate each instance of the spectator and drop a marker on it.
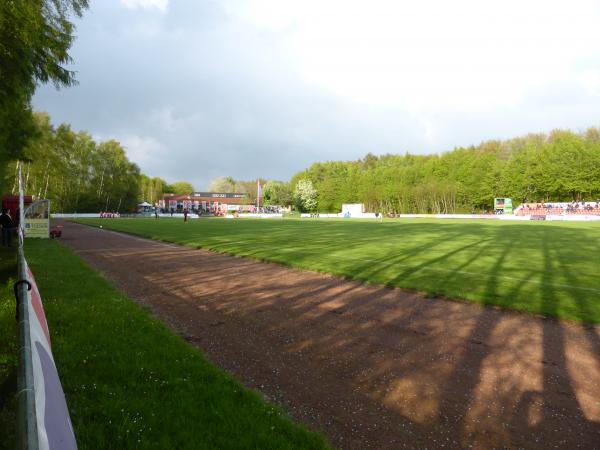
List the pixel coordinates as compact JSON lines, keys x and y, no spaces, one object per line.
{"x":7,"y":227}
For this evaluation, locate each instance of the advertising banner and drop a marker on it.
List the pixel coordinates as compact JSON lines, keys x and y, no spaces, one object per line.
{"x":55,"y":431}
{"x":503,"y":206}
{"x":37,"y":220}
{"x":37,"y":228}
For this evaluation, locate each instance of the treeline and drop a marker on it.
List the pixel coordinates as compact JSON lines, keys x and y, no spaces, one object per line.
{"x":273,"y":192}
{"x":248,"y":187}
{"x":76,"y":173}
{"x":80,"y":175}
{"x":560,"y":166}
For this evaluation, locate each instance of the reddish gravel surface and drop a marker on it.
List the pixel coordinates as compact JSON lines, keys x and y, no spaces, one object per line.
{"x":371,"y":367}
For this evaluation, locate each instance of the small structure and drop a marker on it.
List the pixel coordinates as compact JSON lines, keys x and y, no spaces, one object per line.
{"x":37,"y":219}
{"x":353,"y":209}
{"x":145,"y":207}
{"x":503,"y":206}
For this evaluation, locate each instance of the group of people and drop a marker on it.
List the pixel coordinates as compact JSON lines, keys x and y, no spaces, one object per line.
{"x":185,"y":214}
{"x":575,"y":206}
{"x":569,"y":206}
{"x":560,"y":208}
{"x":109,"y":215}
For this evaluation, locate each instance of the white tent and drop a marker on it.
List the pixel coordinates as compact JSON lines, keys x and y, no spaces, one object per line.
{"x":144,"y":204}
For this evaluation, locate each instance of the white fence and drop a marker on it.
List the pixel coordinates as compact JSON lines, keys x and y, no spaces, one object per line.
{"x":566,"y":217}
{"x":73,"y":216}
{"x":256,"y":216}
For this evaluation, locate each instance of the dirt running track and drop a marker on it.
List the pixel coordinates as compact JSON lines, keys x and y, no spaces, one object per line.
{"x":371,"y":367}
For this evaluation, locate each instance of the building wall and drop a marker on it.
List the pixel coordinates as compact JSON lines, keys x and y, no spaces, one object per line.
{"x":202,"y":200}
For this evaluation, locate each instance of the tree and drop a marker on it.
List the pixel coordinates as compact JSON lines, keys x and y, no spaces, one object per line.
{"x":222,"y":184}
{"x":277,"y":193}
{"x":305,"y":195}
{"x":231,"y":184}
{"x":119,"y":187}
{"x":151,"y":189}
{"x":76,"y":173}
{"x":35,"y":36}
{"x":561,"y":166}
{"x":181,"y":188}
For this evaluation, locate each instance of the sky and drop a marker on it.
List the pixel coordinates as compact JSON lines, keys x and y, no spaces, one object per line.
{"x":197,"y":89}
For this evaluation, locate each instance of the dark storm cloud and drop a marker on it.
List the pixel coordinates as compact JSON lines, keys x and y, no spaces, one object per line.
{"x":195,"y":93}
{"x":195,"y":97}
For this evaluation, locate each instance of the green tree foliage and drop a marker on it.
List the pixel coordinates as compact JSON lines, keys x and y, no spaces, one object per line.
{"x":152,"y":189}
{"x":76,"y":173}
{"x":560,"y":166}
{"x":223,"y":184}
{"x":249,"y":188}
{"x":35,"y":36}
{"x":229,"y":184}
{"x":305,"y":195}
{"x":277,"y":193}
{"x":180,"y":188}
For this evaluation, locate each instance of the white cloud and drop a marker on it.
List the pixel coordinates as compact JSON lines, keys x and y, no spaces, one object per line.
{"x":146,"y":152}
{"x":464,"y":54}
{"x":252,"y":88}
{"x":160,"y":5}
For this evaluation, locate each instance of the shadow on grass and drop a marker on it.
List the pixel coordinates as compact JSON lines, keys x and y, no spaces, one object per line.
{"x":416,"y":255}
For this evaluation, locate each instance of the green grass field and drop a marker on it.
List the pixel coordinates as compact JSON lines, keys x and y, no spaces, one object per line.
{"x":130,"y":382}
{"x":549,"y":268}
{"x":8,"y":348}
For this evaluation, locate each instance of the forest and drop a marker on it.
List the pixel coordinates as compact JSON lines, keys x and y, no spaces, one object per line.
{"x":74,"y":172}
{"x":558,"y":166}
{"x":80,"y":175}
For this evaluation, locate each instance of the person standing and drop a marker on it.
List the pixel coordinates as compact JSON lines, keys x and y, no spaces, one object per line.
{"x":185,"y":214}
{"x":7,"y":227}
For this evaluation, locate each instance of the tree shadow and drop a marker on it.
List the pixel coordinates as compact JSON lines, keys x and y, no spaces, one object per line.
{"x":375,"y":367}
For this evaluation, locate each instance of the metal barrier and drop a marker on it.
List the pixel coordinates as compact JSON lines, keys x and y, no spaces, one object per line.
{"x":26,"y":414}
{"x":43,"y":421}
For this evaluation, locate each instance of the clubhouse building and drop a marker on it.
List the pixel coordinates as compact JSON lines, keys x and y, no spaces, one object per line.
{"x":205,"y":202}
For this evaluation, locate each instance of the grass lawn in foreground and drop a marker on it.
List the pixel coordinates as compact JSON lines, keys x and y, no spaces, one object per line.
{"x":131,"y":383}
{"x":549,"y":268}
{"x":8,"y":347}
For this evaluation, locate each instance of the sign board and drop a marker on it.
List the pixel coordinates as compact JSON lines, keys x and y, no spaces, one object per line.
{"x":503,"y":206}
{"x":37,"y":220}
{"x":218,"y":195}
{"x":353,"y":209}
